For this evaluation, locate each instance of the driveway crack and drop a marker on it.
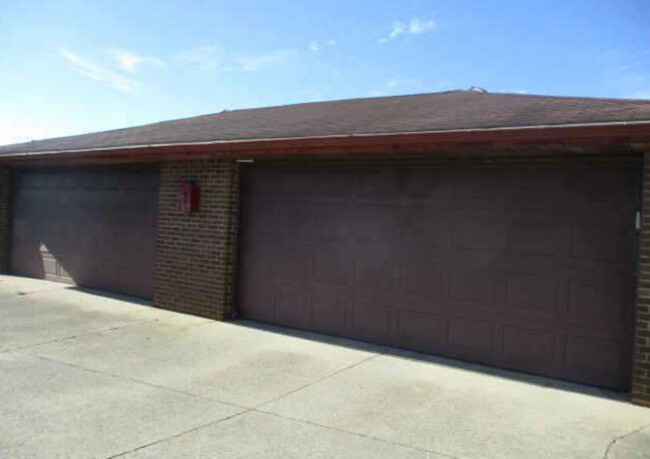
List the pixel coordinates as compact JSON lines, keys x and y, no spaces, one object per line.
{"x":621,"y":438}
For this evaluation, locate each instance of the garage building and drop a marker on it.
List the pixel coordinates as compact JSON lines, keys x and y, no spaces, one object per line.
{"x":495,"y":228}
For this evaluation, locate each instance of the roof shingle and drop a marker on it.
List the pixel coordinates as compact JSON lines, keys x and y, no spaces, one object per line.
{"x":444,"y":111}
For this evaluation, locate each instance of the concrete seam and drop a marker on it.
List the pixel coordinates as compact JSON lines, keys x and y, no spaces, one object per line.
{"x":309,"y":384}
{"x":144,"y":383}
{"x":179,"y":434}
{"x":336,"y":429}
{"x":71,"y":337}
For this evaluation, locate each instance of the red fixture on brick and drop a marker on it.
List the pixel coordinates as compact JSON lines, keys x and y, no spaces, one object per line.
{"x":188,"y":196}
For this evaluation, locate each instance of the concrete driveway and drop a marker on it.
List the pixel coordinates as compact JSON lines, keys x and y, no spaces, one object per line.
{"x":85,"y":375}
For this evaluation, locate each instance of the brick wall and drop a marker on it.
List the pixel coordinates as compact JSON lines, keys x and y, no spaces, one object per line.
{"x":196,"y":253}
{"x":5,"y":199}
{"x":640,"y":393}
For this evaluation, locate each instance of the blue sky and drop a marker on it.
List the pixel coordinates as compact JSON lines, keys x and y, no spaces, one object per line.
{"x":68,"y":67}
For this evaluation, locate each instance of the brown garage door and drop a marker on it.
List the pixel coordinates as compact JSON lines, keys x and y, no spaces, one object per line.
{"x":93,"y":227}
{"x":526,"y":267}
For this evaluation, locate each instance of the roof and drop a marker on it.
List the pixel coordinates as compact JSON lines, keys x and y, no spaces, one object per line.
{"x":420,"y":113}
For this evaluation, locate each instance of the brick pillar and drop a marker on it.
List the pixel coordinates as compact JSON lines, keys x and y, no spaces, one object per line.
{"x":196,"y":253}
{"x":5,"y":221}
{"x":641,"y":372}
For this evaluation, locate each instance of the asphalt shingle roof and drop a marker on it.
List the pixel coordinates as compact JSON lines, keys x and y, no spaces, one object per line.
{"x":452,"y":110}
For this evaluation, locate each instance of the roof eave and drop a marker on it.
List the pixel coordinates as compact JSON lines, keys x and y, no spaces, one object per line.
{"x":575,"y":134}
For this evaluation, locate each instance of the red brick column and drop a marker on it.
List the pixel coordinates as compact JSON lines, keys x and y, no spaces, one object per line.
{"x":641,"y":372}
{"x":196,"y":253}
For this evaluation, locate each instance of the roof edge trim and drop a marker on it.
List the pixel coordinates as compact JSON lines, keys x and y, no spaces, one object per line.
{"x":380,"y":135}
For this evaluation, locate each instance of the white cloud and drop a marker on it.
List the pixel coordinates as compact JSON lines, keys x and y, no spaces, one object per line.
{"x":255,"y":63}
{"x":129,"y":61}
{"x":100,"y":73}
{"x":418,"y":27}
{"x":415,"y":26}
{"x":214,"y":57}
{"x":315,"y":46}
{"x":393,"y":83}
{"x":205,"y":56}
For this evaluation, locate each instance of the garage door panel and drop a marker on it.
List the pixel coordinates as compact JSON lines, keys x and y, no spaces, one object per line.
{"x":374,"y":271}
{"x":421,"y":332}
{"x":539,"y":233}
{"x":430,"y":187}
{"x":606,"y":189}
{"x":332,"y":223}
{"x":601,"y":239}
{"x":293,"y":183}
{"x":471,"y":338}
{"x":293,"y":263}
{"x":592,"y":359}
{"x":424,"y":227}
{"x":329,"y":186}
{"x":330,"y":313}
{"x":536,"y":189}
{"x":372,"y":321}
{"x":376,"y":186}
{"x":483,"y":286}
{"x":259,"y":302}
{"x":262,"y":259}
{"x":521,"y":267}
{"x":530,"y":348}
{"x":293,"y":221}
{"x":292,"y":306}
{"x":479,"y":230}
{"x":97,"y":226}
{"x":421,"y":275}
{"x":598,"y":299}
{"x":532,"y":294}
{"x":375,"y":225}
{"x":333,"y":265}
{"x":472,"y":188}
